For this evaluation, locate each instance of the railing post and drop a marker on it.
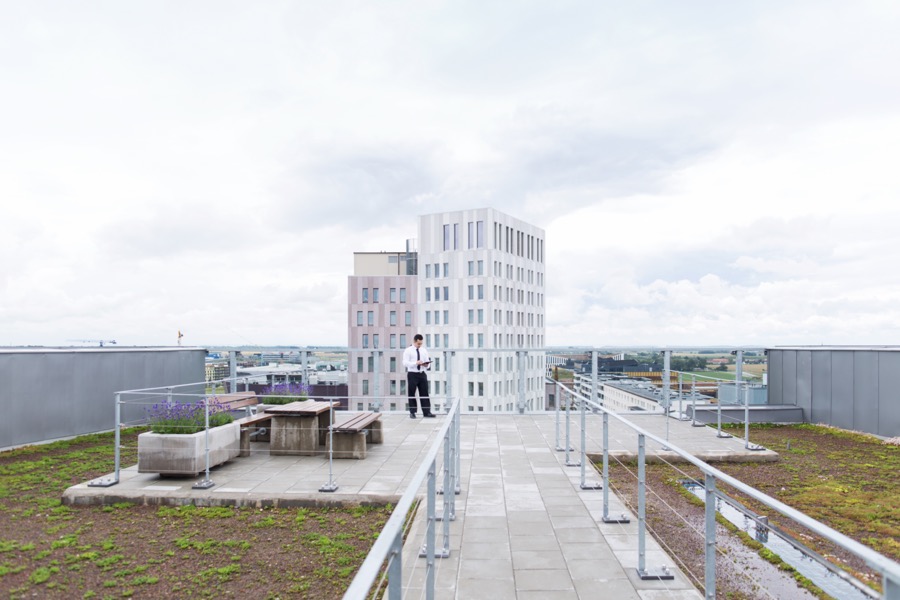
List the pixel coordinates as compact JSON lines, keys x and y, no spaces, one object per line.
{"x":427,"y":551}
{"x":448,"y":387}
{"x":891,"y":588}
{"x":595,"y":382}
{"x":447,"y":514}
{"x":710,"y":537}
{"x":569,"y":448}
{"x":205,"y":484}
{"x":641,"y":507}
{"x":395,"y":568}
{"x":520,"y":362}
{"x":232,"y":370}
{"x":556,"y":402}
{"x":118,"y":436}
{"x":719,"y":433}
{"x":667,"y":384}
{"x":457,"y":425}
{"x":103,"y":481}
{"x":694,"y":422}
{"x":643,"y":571}
{"x":584,"y":484}
{"x":331,"y":486}
{"x":606,"y":517}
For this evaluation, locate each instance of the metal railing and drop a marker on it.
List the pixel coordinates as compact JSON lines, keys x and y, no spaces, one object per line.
{"x":205,"y":395}
{"x":888,"y":569}
{"x":387,"y":551}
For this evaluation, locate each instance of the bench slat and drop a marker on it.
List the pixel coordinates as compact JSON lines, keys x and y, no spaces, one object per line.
{"x":358,"y":422}
{"x":237,"y":400}
{"x":260,"y":418}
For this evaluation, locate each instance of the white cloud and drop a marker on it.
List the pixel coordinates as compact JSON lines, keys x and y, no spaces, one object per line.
{"x":706,"y":174}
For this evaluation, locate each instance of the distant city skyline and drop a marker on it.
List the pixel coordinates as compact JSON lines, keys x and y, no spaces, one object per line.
{"x":707,"y":174}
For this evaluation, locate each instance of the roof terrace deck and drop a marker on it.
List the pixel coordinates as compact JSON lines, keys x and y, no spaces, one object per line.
{"x":524,"y":528}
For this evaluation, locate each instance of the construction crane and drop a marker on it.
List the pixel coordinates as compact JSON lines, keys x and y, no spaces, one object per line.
{"x":100,"y":342}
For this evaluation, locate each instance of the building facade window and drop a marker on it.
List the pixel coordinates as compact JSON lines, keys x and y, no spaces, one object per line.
{"x":371,"y":317}
{"x":393,"y":318}
{"x":407,"y":317}
{"x":365,"y":295}
{"x":446,"y":237}
{"x":392,"y":364}
{"x":402,"y":295}
{"x":365,"y":387}
{"x":365,"y":340}
{"x":359,"y":317}
{"x":374,"y":294}
{"x":393,"y":295}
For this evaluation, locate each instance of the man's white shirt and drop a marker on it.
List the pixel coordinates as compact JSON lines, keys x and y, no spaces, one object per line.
{"x":409,"y":359}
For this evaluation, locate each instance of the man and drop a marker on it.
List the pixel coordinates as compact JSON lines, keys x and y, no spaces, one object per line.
{"x":416,"y":361}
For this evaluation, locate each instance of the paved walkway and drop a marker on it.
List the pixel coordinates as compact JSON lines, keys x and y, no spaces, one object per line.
{"x":524,"y":528}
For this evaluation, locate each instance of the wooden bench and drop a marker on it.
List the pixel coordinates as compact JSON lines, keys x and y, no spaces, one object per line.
{"x":349,"y":437}
{"x":237,"y":400}
{"x":248,"y":425}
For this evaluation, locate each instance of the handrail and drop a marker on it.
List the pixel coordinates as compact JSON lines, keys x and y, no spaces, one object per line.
{"x":875,"y":560}
{"x":371,"y":566}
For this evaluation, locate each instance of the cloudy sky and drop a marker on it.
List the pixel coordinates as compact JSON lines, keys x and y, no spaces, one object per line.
{"x":706,"y":172}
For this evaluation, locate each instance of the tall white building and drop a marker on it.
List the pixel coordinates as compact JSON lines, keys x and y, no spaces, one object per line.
{"x":479,"y":303}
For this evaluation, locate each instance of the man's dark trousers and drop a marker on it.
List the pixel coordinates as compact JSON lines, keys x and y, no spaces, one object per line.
{"x":418,"y":381}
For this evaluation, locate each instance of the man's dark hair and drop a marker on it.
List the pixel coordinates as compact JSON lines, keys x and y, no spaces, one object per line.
{"x":418,"y":336}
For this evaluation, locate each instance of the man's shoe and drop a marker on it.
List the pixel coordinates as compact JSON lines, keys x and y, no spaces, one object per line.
{"x":429,"y":416}
{"x":413,"y":415}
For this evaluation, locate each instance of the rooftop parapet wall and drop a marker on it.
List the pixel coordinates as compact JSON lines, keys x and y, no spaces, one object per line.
{"x":52,"y":393}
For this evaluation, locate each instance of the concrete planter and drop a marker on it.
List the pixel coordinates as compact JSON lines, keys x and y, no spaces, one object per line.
{"x":185,"y":454}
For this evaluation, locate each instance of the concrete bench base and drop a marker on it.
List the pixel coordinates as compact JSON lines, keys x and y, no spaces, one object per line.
{"x":349,"y":445}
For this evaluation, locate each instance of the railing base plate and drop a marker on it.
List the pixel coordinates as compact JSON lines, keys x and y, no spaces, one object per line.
{"x":203,"y":485}
{"x":655,"y":574}
{"x":329,"y":487}
{"x":103,"y":482}
{"x":622,"y":519}
{"x":437,"y":553}
{"x":591,"y":486}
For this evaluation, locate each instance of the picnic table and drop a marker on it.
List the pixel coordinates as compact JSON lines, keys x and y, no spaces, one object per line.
{"x":299,"y":427}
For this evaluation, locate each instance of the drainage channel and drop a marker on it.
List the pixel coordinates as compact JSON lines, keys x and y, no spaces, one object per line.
{"x":829,"y":578}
